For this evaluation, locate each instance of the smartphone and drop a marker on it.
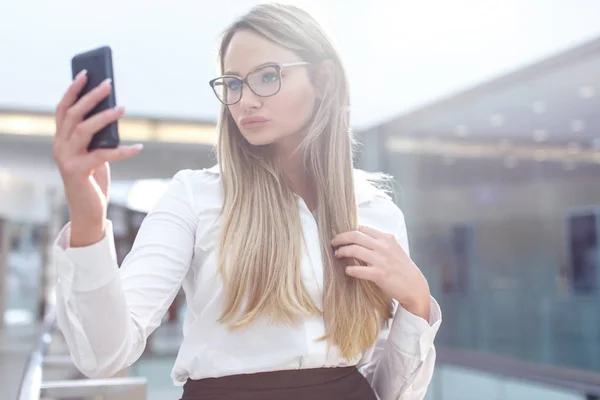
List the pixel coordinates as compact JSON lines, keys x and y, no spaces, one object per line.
{"x":99,"y":66}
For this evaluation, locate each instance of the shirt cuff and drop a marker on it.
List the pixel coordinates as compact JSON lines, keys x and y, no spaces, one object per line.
{"x":412,"y":335}
{"x":86,"y":268}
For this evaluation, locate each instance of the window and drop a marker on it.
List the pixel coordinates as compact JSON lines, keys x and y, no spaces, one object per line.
{"x":457,"y":262}
{"x":582,"y":251}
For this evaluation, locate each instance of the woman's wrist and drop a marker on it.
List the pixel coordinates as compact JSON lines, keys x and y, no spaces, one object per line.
{"x":419,"y":305}
{"x":85,"y":232}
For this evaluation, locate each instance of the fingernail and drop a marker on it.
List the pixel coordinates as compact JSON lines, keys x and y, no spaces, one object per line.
{"x":119,"y":109}
{"x":81,"y":73}
{"x":138,"y":146}
{"x":107,"y":81}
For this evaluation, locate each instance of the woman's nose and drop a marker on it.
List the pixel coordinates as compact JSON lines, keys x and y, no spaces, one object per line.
{"x":250,"y":99}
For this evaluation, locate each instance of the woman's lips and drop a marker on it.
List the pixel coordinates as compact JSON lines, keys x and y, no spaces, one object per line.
{"x":255,"y":121}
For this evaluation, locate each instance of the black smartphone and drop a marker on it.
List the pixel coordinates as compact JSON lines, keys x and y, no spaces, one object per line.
{"x":99,"y":66}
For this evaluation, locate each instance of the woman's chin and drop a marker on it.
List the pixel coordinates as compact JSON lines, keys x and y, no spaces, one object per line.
{"x":258,"y":140}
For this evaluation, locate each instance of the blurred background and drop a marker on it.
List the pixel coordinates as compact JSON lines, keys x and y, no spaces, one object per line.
{"x":486,"y":112}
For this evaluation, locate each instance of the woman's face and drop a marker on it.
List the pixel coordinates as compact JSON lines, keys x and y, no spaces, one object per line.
{"x":279,"y":118}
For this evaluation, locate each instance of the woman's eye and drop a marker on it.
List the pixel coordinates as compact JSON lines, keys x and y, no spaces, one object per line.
{"x":270,"y":77}
{"x":234,"y":85}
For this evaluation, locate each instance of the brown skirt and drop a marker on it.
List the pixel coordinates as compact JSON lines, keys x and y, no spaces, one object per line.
{"x":342,"y":383}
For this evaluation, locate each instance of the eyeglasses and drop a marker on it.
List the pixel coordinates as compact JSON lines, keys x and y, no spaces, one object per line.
{"x":264,"y":81}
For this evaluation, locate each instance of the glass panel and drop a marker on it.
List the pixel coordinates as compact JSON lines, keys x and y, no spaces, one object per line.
{"x":24,"y":260}
{"x":454,"y":383}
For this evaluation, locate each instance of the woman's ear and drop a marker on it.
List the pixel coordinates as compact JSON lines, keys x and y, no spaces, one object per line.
{"x":323,"y":76}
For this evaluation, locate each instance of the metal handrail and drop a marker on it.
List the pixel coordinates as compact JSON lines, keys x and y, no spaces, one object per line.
{"x":133,"y":387}
{"x":583,"y":381}
{"x":29,"y":387}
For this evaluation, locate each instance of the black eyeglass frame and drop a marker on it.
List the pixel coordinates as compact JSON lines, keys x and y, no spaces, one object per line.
{"x":278,"y":66}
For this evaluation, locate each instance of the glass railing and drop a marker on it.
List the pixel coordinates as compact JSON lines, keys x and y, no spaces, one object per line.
{"x":465,"y":375}
{"x":455,"y":383}
{"x":520,"y":324}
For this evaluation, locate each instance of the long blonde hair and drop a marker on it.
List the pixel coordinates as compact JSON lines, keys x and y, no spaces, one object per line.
{"x":261,"y":241}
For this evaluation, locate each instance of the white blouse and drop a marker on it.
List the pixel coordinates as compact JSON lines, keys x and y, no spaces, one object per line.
{"x":106,"y":313}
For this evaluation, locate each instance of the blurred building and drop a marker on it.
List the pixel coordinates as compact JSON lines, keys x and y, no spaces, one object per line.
{"x":500,"y":185}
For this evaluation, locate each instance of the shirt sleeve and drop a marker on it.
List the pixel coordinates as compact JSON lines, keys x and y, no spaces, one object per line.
{"x":106,"y":313}
{"x":400,"y":365}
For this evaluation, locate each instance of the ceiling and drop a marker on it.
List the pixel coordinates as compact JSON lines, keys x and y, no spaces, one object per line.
{"x":554,"y":101}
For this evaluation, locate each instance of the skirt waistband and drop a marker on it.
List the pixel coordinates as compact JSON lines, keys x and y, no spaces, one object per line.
{"x":316,"y":384}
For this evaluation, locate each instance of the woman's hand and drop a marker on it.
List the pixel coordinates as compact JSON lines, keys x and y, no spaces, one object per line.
{"x":85,"y":175}
{"x":388,"y":266}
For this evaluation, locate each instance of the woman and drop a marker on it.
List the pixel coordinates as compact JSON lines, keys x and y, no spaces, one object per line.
{"x":288,"y":297}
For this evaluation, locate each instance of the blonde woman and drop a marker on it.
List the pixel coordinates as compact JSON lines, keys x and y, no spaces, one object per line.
{"x":295,"y":268}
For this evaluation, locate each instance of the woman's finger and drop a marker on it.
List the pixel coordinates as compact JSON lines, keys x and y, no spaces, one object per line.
{"x":83,"y":133}
{"x":68,"y":99}
{"x":358,"y":252}
{"x":372,"y":232}
{"x":367,"y":273}
{"x":99,"y":156}
{"x":79,"y":110}
{"x":354,"y":237}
